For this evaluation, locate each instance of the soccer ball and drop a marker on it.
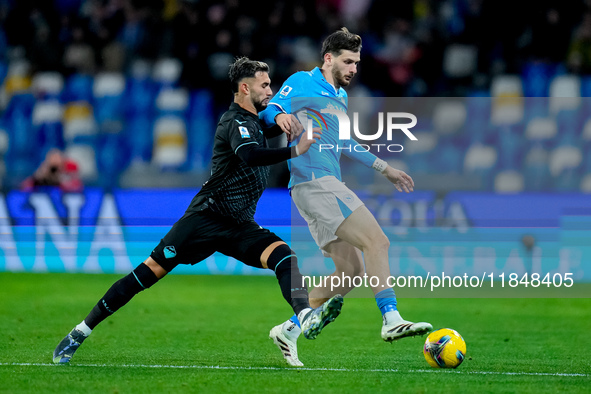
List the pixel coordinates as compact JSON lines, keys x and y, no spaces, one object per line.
{"x":444,"y":348}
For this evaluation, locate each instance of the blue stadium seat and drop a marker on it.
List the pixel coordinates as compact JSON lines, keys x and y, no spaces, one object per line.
{"x":108,"y":92}
{"x":3,"y":71}
{"x":138,"y":136}
{"x":112,"y":158}
{"x":78,"y":88}
{"x":586,"y":86}
{"x":481,"y":160}
{"x":565,"y":167}
{"x":536,"y":169}
{"x":510,"y":146}
{"x":200,"y":130}
{"x":535,"y":107}
{"x":139,"y":97}
{"x":536,"y":78}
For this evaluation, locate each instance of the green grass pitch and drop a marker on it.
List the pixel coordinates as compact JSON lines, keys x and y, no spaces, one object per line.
{"x":210,"y":334}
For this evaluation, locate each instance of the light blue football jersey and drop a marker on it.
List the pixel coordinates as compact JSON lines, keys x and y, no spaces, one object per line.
{"x":305,"y":94}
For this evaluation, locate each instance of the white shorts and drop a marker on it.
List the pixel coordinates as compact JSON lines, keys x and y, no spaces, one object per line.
{"x":324,"y":203}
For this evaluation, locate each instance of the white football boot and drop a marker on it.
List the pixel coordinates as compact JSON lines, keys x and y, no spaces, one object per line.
{"x":395,"y":327}
{"x":285,"y":336}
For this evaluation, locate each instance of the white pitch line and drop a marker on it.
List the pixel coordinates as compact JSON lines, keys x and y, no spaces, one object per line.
{"x":219,"y":367}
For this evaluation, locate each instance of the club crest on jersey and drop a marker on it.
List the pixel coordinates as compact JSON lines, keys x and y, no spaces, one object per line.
{"x":285,"y":91}
{"x":244,"y":132}
{"x":169,"y":252}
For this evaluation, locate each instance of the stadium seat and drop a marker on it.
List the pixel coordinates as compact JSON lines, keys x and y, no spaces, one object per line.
{"x":78,"y":88}
{"x":47,"y":120}
{"x":507,"y":104}
{"x":536,"y":78}
{"x":112,"y":156}
{"x":170,"y":143}
{"x":459,"y":61}
{"x":18,"y":79}
{"x":585,"y":185}
{"x":108,"y":92}
{"x":448,"y":157}
{"x":449,"y":116}
{"x":586,"y":86}
{"x":84,"y":156}
{"x":542,"y":130}
{"x":139,"y":97}
{"x":565,"y":163}
{"x":585,"y":137}
{"x":139,"y":138}
{"x":535,"y":107}
{"x":419,"y":154}
{"x":481,"y":160}
{"x":536,"y":169}
{"x":509,"y":181}
{"x":167,"y":72}
{"x":478,"y":118}
{"x":510,"y":144}
{"x":47,"y":85}
{"x":565,"y":93}
{"x":47,"y":112}
{"x":3,"y":71}
{"x":172,"y":101}
{"x":80,"y":129}
{"x":200,"y":129}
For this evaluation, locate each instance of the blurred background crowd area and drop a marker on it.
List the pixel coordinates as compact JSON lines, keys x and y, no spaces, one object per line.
{"x":130,"y":90}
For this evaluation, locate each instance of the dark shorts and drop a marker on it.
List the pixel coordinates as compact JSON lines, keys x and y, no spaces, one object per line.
{"x":198,"y":235}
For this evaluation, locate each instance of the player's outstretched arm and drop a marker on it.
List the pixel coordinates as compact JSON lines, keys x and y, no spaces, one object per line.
{"x":401,"y":180}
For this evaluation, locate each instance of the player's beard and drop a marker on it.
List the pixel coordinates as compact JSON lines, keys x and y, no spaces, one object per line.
{"x":259,"y":104}
{"x":340,"y":79}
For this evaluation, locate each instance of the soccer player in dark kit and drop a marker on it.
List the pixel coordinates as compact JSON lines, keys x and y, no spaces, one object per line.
{"x":221,"y":216}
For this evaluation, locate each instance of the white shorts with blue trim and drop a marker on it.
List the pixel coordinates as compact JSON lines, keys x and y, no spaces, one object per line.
{"x":324,"y":203}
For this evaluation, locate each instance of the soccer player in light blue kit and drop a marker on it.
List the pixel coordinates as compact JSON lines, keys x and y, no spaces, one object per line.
{"x":338,"y":220}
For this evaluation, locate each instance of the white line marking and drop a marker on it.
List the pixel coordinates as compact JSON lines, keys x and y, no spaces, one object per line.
{"x":558,"y":374}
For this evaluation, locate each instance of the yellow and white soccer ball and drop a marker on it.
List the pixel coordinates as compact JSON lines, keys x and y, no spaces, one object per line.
{"x":444,"y":348}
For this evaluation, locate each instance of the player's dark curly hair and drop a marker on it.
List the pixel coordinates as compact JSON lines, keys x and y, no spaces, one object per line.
{"x":242,"y":68}
{"x":341,"y":40}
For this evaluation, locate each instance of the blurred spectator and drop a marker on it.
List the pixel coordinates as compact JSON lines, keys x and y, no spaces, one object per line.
{"x":56,"y":170}
{"x":79,"y":55}
{"x":579,"y":53}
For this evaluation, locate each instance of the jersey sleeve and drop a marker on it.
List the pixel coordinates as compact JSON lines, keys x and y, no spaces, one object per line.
{"x":242,"y":133}
{"x":281,"y":102}
{"x":353,"y":150}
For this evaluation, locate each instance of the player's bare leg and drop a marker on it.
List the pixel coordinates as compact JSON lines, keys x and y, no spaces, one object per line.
{"x":362,"y":230}
{"x":348,"y":262}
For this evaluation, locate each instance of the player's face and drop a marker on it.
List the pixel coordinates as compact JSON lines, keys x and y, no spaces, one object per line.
{"x":260,"y":90}
{"x":344,"y":67}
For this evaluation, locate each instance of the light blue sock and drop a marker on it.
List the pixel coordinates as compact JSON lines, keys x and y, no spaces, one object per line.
{"x":294,"y":319}
{"x":386,"y":300}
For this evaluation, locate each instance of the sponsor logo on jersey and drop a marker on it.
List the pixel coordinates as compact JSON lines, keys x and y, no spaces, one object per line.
{"x":244,"y":132}
{"x":169,"y":252}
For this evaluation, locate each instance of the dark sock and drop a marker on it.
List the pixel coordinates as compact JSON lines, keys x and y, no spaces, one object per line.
{"x":285,"y":264}
{"x":120,"y":293}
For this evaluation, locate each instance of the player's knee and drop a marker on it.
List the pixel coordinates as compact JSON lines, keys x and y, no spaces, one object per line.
{"x":380,"y":242}
{"x":145,"y":276}
{"x":282,"y":259}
